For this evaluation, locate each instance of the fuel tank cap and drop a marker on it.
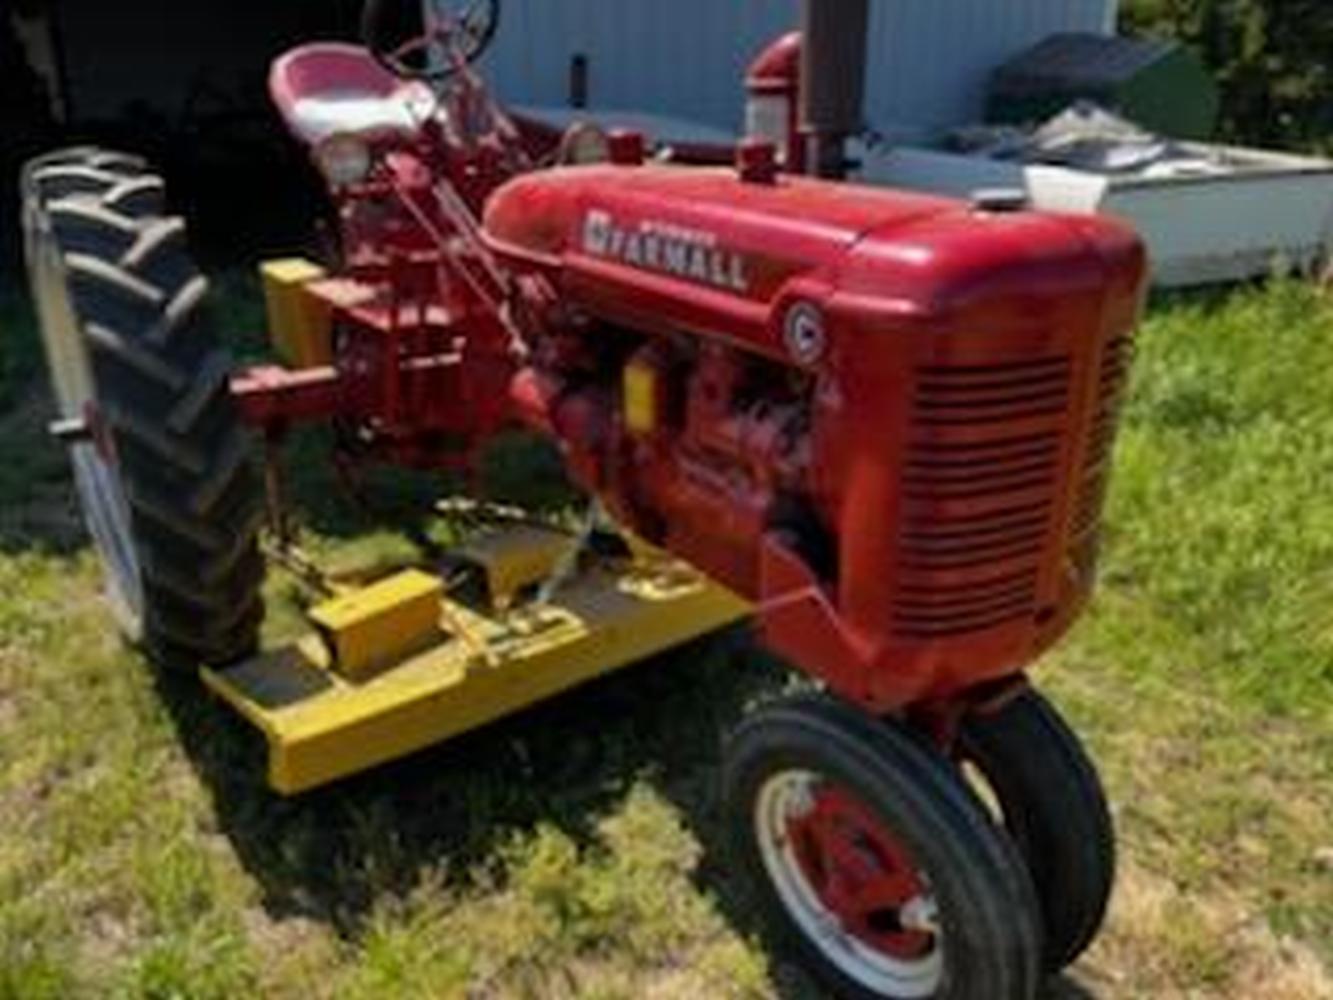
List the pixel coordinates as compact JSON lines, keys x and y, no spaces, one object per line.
{"x":1000,"y":199}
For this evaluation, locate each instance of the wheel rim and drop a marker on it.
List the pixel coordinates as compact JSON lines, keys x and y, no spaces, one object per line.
{"x":850,"y":885}
{"x":102,"y":498}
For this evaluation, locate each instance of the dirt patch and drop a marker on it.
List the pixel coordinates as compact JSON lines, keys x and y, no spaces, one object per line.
{"x":284,"y":936}
{"x":107,"y":938}
{"x":1163,"y":942}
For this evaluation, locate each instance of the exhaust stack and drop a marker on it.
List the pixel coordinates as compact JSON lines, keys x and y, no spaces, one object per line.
{"x":833,"y":72}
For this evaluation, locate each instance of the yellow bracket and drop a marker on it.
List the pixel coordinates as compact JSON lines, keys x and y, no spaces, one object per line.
{"x":322,"y":725}
{"x":299,"y":323}
{"x":519,"y":557}
{"x":369,"y":630}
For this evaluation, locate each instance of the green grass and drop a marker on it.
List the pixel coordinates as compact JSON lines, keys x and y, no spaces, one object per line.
{"x":1223,"y":512}
{"x":571,"y":851}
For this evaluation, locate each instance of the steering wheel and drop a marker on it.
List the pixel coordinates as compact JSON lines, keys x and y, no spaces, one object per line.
{"x":463,"y":29}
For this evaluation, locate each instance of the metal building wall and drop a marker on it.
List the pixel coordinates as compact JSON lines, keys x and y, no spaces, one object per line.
{"x":929,"y":58}
{"x":683,"y":57}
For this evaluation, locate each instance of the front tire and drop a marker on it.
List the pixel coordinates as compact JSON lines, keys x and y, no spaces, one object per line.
{"x":162,"y":462}
{"x":1051,"y":802}
{"x":868,"y":854}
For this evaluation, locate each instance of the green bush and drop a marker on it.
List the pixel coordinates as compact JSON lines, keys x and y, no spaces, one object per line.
{"x":1271,"y":58}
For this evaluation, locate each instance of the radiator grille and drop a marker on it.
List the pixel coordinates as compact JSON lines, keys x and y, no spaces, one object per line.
{"x":962,"y":396}
{"x":979,"y":483}
{"x":1112,"y":377}
{"x":937,"y":610}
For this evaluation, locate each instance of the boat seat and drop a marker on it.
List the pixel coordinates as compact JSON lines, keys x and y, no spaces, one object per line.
{"x":331,"y":88}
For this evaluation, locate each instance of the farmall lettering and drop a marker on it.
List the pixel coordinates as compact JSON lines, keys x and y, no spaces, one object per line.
{"x":692,"y":254}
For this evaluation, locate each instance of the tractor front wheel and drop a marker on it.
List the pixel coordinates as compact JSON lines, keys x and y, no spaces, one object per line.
{"x":162,"y":464}
{"x":871,"y":857}
{"x":1040,"y":781}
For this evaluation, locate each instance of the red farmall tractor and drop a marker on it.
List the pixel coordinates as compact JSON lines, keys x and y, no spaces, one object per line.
{"x":876,"y":424}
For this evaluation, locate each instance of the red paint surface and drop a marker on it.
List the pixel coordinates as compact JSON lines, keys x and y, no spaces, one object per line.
{"x":777,"y":73}
{"x":860,"y":871}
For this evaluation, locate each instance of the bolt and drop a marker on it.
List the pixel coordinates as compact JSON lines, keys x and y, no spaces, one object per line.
{"x":800,"y":801}
{"x":920,"y":913}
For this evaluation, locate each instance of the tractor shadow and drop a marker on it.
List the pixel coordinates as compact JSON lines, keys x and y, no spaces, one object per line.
{"x":330,"y":854}
{"x":38,"y":510}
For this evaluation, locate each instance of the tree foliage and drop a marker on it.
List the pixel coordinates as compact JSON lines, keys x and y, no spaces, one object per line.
{"x":1272,"y":59}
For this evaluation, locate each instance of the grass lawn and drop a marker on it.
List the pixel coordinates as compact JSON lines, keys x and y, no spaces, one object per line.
{"x":569,"y":852}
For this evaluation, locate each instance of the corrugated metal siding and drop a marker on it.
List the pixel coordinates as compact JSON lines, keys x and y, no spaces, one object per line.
{"x":929,"y":58}
{"x":685,"y":57}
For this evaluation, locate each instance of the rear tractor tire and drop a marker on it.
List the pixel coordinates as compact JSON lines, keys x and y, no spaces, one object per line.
{"x":871,"y":857}
{"x":162,"y":463}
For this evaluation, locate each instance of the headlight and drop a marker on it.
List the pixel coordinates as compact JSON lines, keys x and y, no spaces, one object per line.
{"x":343,"y":159}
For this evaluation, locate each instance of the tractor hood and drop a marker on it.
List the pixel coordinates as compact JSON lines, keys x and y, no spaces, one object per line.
{"x":677,"y":248}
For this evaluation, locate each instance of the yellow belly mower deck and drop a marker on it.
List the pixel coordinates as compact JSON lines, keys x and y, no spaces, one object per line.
{"x":329,"y":706}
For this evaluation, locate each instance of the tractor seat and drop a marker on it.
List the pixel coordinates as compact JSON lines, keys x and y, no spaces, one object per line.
{"x":332,"y":88}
